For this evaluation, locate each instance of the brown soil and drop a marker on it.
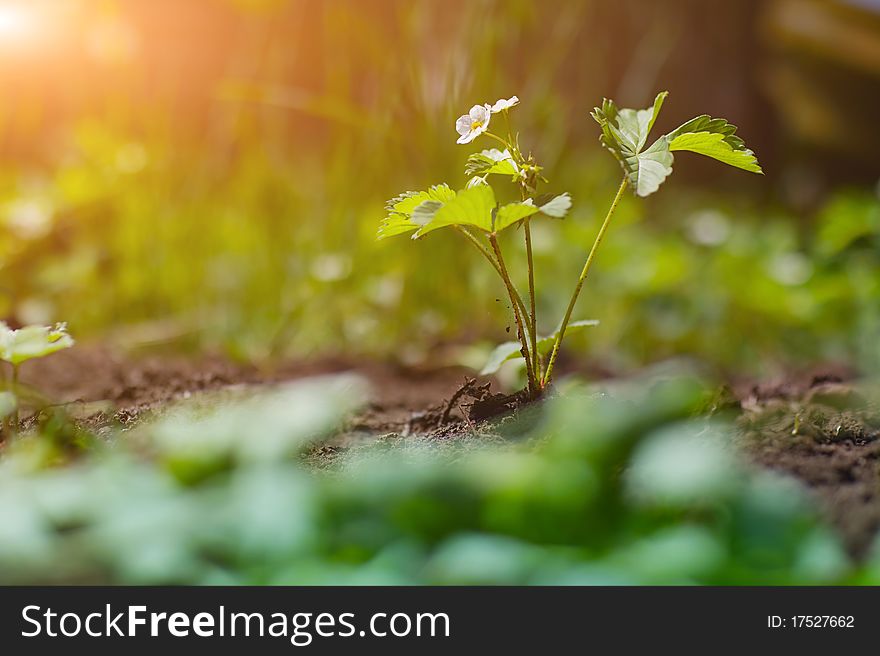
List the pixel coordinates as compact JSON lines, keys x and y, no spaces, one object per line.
{"x":99,"y":386}
{"x":826,"y":434}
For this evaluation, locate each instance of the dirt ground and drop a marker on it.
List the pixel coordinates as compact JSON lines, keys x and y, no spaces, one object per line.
{"x":101,"y":386}
{"x":820,"y":429}
{"x":826,"y":433}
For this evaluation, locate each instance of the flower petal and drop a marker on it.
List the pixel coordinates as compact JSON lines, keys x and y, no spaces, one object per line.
{"x":503,"y":104}
{"x":463,"y":124}
{"x":497,"y":155}
{"x":480,"y":114}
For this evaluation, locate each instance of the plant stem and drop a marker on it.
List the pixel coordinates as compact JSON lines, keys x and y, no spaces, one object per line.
{"x":523,"y":336}
{"x":580,"y":283}
{"x":526,"y":185}
{"x":3,"y":421}
{"x":14,"y":429}
{"x":497,"y":138}
{"x":533,"y":316}
{"x":491,"y":258}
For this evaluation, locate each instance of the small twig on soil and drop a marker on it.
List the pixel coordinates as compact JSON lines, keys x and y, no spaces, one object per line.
{"x":453,"y":401}
{"x":467,"y":420}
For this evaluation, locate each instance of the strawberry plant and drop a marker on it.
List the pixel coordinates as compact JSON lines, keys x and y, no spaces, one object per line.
{"x":476,"y":214}
{"x":19,"y":346}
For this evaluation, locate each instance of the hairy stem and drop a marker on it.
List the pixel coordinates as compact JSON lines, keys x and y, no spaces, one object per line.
{"x":523,"y":336}
{"x":580,"y":283}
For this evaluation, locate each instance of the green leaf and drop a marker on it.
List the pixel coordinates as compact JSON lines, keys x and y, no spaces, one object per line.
{"x":511,"y":350}
{"x":509,"y":214}
{"x":17,"y":346}
{"x":635,"y":125}
{"x":625,"y":133}
{"x":546,"y":343}
{"x":424,"y":213}
{"x":492,"y":161}
{"x":472,"y":207}
{"x":501,"y":354}
{"x":554,"y":206}
{"x":477,"y":164}
{"x":395,"y":224}
{"x":626,"y":130}
{"x":715,"y":138}
{"x":406,"y":202}
{"x":401,"y":209}
{"x":647,"y":170}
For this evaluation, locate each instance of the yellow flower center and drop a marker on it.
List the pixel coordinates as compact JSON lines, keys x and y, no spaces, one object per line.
{"x":475,"y":125}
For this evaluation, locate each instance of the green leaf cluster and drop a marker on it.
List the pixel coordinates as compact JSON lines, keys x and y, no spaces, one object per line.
{"x":492,"y":161}
{"x":625,"y":133}
{"x":476,"y":207}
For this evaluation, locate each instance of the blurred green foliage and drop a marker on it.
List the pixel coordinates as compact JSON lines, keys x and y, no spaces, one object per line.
{"x":626,"y":486}
{"x":244,"y":218}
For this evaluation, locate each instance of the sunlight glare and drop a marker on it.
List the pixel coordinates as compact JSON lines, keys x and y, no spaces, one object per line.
{"x":17,"y":20}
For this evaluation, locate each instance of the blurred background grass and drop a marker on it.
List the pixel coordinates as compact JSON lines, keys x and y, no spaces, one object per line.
{"x":210,"y":175}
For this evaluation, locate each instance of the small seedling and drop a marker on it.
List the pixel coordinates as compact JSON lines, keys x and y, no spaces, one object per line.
{"x":19,"y":346}
{"x":476,"y":214}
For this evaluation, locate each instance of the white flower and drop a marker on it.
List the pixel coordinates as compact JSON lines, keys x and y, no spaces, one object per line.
{"x":503,"y":104}
{"x":473,"y":124}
